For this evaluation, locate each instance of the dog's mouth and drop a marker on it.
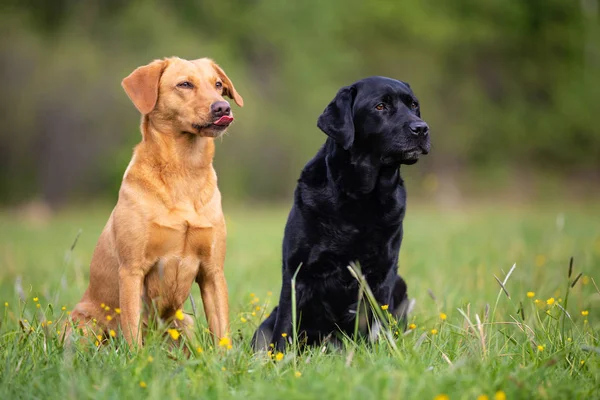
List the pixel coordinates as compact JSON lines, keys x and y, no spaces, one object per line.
{"x":407,"y":157}
{"x":411,"y":157}
{"x":224,"y":121}
{"x":218,"y":125}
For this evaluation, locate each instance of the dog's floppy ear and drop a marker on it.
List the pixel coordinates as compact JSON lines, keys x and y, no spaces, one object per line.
{"x":142,"y":85}
{"x":228,"y":88}
{"x":337,"y":121}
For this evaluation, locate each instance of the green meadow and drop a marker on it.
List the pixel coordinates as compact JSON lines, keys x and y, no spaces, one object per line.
{"x":536,"y":336}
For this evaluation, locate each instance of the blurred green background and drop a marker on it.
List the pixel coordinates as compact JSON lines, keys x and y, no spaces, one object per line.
{"x":511,"y":89}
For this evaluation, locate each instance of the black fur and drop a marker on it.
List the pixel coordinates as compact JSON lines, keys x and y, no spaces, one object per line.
{"x":348,"y":206}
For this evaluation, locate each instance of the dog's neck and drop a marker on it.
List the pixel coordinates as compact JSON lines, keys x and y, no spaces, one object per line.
{"x":358,"y":174}
{"x":175,"y":151}
{"x":177,"y":167}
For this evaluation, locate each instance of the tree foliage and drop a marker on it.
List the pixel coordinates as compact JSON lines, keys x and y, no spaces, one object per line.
{"x":502,"y":83}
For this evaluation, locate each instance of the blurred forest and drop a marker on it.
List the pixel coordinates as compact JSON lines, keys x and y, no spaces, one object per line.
{"x":510,"y":88}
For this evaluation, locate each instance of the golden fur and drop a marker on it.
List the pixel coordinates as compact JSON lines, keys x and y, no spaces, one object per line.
{"x":167,"y":229}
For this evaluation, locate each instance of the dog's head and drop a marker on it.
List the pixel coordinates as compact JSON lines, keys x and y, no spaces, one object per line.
{"x":379,"y":116}
{"x":183,"y":96}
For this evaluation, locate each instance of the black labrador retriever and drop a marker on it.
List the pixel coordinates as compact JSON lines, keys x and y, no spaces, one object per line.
{"x":348,"y":206}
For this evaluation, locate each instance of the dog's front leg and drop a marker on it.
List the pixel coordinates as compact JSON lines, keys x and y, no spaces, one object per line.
{"x":131,"y":281}
{"x":213,"y":289}
{"x":283,"y":325}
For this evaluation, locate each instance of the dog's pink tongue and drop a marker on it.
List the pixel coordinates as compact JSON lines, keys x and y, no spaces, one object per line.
{"x":223,"y":121}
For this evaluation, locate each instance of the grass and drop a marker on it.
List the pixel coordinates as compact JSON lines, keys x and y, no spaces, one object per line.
{"x":468,"y":338}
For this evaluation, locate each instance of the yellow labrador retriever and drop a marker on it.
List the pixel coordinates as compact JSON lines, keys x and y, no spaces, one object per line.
{"x":167,"y":229}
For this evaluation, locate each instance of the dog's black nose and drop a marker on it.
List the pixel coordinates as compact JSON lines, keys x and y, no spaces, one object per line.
{"x":419,"y":128}
{"x":220,"y":108}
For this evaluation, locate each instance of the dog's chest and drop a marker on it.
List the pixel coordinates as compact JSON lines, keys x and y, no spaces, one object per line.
{"x":368,"y":233}
{"x":362,"y":229}
{"x":181,"y":232}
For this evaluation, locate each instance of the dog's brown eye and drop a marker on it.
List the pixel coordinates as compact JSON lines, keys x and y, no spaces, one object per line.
{"x":219,"y":85}
{"x":414,"y":105}
{"x":186,"y":85}
{"x":380,"y":107}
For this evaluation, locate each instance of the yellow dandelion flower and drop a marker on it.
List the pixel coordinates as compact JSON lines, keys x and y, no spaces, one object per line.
{"x":257,"y":308}
{"x":412,"y":327}
{"x":58,"y":332}
{"x":434,"y":331}
{"x":278,"y":356}
{"x":99,"y":337}
{"x":38,"y":305}
{"x":63,"y":308}
{"x":442,"y":396}
{"x":243,"y":319}
{"x":118,"y":310}
{"x":269,"y":293}
{"x":540,"y":260}
{"x":272,"y":345}
{"x":585,"y":313}
{"x":6,"y":304}
{"x":252,"y":294}
{"x":102,"y":305}
{"x":223,"y":369}
{"x":199,"y":349}
{"x":179,"y":315}
{"x":270,"y":354}
{"x":500,"y":395}
{"x":113,"y":333}
{"x":94,"y":320}
{"x":585,"y":280}
{"x":540,"y":347}
{"x":253,"y":314}
{"x":174,"y":333}
{"x":143,"y":384}
{"x":150,"y":359}
{"x":284,"y":334}
{"x":483,"y":397}
{"x":97,"y":343}
{"x":108,"y":318}
{"x":68,"y":312}
{"x":225,"y":342}
{"x":297,"y":374}
{"x":550,"y":301}
{"x":569,"y":339}
{"x":36,"y":299}
{"x":537,"y":301}
{"x":582,"y":362}
{"x":107,"y":308}
{"x":443,"y":316}
{"x":49,"y":322}
{"x":385,"y":307}
{"x":530,"y":295}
